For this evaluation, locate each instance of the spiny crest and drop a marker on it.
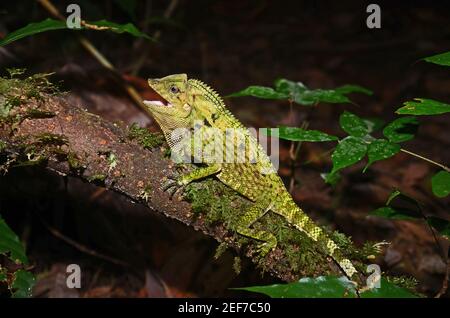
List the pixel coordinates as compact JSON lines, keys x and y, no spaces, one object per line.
{"x":215,"y":98}
{"x":209,"y":92}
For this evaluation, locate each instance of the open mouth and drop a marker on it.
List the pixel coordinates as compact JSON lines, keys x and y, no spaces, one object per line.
{"x":160,"y":102}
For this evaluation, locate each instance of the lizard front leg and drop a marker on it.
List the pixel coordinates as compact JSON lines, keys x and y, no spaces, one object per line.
{"x":177,"y":182}
{"x":251,"y":215}
{"x":199,"y":173}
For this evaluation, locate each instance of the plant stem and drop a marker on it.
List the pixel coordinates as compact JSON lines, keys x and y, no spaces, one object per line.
{"x":294,"y":157}
{"x":426,"y":159}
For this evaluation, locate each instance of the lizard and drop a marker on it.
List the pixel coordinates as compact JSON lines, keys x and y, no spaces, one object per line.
{"x":189,"y":105}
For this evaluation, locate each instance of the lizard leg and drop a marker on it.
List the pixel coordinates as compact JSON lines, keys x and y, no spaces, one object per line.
{"x":256,"y":211}
{"x":199,"y":173}
{"x":176,"y":182}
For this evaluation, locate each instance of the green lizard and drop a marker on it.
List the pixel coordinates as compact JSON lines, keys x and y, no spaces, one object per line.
{"x":188,"y":105}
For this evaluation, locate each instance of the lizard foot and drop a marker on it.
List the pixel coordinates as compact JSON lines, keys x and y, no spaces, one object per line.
{"x":173,"y":184}
{"x":265,"y":247}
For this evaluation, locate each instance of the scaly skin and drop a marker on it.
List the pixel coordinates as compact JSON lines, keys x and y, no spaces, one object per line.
{"x":195,"y":107}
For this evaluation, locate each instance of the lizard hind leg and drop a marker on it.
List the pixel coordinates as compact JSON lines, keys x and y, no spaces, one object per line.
{"x":251,"y":215}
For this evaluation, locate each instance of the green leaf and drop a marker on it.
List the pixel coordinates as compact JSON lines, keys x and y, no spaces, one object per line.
{"x":381,"y":149}
{"x":347,"y":89}
{"x":353,"y":125}
{"x":260,"y":92}
{"x":337,"y":95}
{"x":440,"y":184}
{"x":320,"y":287}
{"x":440,"y":59}
{"x":52,"y":24}
{"x":441,"y":225}
{"x":423,"y":106}
{"x":288,"y":87}
{"x":120,"y":28}
{"x":400,"y":207}
{"x":397,"y":197}
{"x":392,"y":196}
{"x":395,"y":213}
{"x":300,"y":94}
{"x":296,"y":91}
{"x":329,"y":287}
{"x":299,"y":134}
{"x":323,"y":95}
{"x":387,"y":290}
{"x":9,"y":243}
{"x":33,"y":28}
{"x":401,"y":129}
{"x":350,"y":150}
{"x":23,"y":284}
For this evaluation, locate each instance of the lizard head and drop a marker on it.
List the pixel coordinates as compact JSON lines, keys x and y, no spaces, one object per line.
{"x":172,"y":91}
{"x":183,"y":103}
{"x":171,"y":109}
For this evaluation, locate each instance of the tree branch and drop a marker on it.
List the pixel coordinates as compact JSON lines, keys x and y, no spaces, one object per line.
{"x":70,"y":141}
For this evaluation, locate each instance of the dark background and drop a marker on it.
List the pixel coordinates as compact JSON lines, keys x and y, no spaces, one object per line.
{"x":230,"y":45}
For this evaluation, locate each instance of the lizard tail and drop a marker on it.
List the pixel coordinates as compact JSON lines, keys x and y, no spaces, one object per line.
{"x":303,"y":222}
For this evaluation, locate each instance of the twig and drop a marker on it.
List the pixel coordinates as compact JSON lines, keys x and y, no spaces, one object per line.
{"x":141,"y":60}
{"x":442,"y":253}
{"x":138,"y":170}
{"x":51,"y":9}
{"x":426,"y":159}
{"x":88,"y":46}
{"x":445,"y":259}
{"x":82,"y":248}
{"x":294,"y":157}
{"x":444,"y":287}
{"x":291,"y":149}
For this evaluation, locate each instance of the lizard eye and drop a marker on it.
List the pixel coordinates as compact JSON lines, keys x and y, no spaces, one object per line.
{"x":174,"y":90}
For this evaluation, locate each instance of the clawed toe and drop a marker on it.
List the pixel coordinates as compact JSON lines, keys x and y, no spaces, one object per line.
{"x":264,"y":248}
{"x":172,"y":185}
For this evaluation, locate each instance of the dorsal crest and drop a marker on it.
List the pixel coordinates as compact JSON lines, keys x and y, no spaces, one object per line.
{"x":212,"y":96}
{"x":209,"y":93}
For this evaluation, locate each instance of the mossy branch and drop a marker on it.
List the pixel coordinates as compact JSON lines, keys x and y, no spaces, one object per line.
{"x":39,"y":128}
